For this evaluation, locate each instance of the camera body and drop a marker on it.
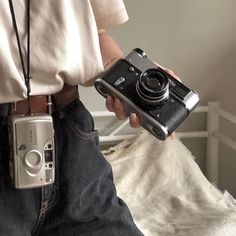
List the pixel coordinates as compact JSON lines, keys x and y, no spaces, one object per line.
{"x":32,"y":161}
{"x":161,"y":102}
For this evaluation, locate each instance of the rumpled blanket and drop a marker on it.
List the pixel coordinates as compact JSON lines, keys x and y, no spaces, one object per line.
{"x":166,"y":191}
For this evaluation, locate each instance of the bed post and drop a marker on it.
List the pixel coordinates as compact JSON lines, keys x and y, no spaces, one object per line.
{"x":212,"y":157}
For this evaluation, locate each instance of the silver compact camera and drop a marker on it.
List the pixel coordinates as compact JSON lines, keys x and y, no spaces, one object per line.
{"x":32,"y":161}
{"x":161,"y":102}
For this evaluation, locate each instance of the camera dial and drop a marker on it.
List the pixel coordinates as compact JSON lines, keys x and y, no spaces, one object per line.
{"x":140,"y":52}
{"x":153,"y":87}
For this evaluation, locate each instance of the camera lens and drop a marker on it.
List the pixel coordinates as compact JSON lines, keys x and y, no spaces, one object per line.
{"x":153,"y":87}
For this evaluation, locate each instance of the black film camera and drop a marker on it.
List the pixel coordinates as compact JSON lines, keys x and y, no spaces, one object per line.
{"x":161,"y":102}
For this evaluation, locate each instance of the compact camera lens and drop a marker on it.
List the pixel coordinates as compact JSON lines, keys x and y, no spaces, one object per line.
{"x":153,"y":87}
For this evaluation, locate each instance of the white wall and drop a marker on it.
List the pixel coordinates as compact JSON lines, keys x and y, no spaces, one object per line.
{"x":196,"y":39}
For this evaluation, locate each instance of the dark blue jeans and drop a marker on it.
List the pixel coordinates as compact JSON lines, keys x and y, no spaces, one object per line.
{"x":83,"y":199}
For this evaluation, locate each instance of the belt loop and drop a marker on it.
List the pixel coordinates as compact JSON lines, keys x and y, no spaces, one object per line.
{"x":49,"y":104}
{"x":14,"y":106}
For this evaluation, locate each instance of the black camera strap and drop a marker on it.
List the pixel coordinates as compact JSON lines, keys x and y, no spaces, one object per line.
{"x":25,"y":69}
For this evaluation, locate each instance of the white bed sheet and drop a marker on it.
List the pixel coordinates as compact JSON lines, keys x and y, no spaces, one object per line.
{"x":167,"y":192}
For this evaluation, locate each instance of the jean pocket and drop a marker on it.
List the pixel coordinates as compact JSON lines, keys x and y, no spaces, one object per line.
{"x":80,"y":121}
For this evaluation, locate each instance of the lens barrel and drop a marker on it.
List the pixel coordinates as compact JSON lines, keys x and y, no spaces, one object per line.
{"x":153,"y":87}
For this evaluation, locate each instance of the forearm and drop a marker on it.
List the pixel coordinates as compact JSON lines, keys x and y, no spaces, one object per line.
{"x":110,"y":50}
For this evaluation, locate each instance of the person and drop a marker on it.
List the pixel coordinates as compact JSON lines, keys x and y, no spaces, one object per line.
{"x":65,"y":44}
{"x":52,"y":48}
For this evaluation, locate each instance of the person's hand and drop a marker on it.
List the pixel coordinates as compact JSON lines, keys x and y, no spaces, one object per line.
{"x":116,"y":106}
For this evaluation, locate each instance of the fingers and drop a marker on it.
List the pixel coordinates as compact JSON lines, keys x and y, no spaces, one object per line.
{"x":171,"y":72}
{"x":172,"y":136}
{"x":134,"y":121}
{"x":116,"y":106}
{"x":109,"y":104}
{"x":119,"y":109}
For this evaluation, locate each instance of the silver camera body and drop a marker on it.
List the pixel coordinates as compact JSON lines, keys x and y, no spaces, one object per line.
{"x":32,"y":161}
{"x":161,"y":102}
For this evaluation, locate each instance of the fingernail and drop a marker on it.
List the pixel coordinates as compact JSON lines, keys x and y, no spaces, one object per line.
{"x":133,"y":115}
